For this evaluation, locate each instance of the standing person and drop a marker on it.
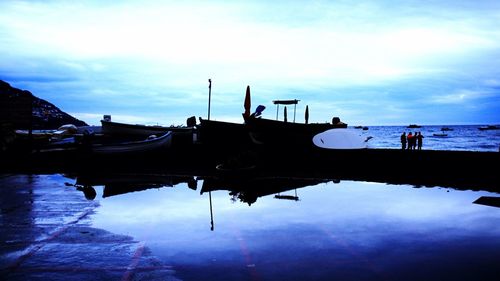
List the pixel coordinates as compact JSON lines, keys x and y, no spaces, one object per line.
{"x":410,"y":141}
{"x":403,"y":141}
{"x":420,"y":140}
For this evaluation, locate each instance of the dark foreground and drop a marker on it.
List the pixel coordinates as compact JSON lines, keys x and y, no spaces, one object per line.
{"x":456,"y":169}
{"x":314,"y":214}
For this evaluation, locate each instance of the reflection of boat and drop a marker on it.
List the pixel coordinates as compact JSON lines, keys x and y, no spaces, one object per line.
{"x":489,"y":127}
{"x":116,"y":184}
{"x":115,"y":128}
{"x":248,"y":189}
{"x":488,"y":201}
{"x":150,"y":144}
{"x":414,"y":126}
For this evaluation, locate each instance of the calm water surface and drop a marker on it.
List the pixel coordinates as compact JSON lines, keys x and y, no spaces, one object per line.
{"x":335,"y":231}
{"x":344,"y":231}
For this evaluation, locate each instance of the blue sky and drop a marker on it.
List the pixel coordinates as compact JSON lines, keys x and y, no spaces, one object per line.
{"x":368,"y":62}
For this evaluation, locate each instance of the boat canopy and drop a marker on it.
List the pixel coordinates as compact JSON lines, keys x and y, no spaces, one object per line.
{"x":286,"y":101}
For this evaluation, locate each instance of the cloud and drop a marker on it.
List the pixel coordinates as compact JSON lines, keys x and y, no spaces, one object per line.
{"x":131,"y":55}
{"x":462,"y":96}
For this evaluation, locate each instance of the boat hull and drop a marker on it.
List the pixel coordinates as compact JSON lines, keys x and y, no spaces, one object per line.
{"x":272,"y":132}
{"x":115,"y":128}
{"x":153,"y":144}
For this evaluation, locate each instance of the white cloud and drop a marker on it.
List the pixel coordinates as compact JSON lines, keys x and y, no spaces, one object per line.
{"x":163,"y":52}
{"x":461,"y":96}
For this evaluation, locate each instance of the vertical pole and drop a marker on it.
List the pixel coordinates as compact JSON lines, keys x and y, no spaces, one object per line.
{"x":294,"y":110}
{"x":209,"y":96}
{"x":211,"y":213}
{"x":277,"y":109}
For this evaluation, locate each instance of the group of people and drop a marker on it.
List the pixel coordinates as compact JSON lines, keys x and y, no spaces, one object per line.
{"x":413,"y":141}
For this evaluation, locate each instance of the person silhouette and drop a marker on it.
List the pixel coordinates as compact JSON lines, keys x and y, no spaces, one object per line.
{"x":410,"y":141}
{"x":420,"y":140}
{"x":403,"y":141}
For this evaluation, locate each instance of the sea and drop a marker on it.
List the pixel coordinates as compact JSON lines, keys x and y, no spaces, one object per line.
{"x":460,"y":137}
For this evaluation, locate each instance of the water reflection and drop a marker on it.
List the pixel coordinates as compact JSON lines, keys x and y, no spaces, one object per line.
{"x":116,"y":184}
{"x":347,"y":231}
{"x":343,"y":230}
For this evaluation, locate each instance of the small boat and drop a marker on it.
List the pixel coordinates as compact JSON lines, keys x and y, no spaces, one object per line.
{"x":489,"y":127}
{"x":441,"y":135}
{"x":364,"y":128}
{"x":414,"y":126}
{"x":446,"y":129}
{"x":115,"y":128}
{"x":152,"y":143}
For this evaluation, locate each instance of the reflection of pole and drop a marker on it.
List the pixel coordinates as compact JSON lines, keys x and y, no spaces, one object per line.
{"x":211,"y":213}
{"x":209,"y":96}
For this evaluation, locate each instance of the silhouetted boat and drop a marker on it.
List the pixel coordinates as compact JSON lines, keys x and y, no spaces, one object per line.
{"x":222,"y":133}
{"x":122,"y":129}
{"x":411,"y":126}
{"x":446,"y":129}
{"x":364,"y":128}
{"x":440,"y":134}
{"x":489,"y":127}
{"x":150,"y":144}
{"x":266,"y":131}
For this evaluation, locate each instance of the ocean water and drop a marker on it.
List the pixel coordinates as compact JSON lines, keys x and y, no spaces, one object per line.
{"x":463,"y":137}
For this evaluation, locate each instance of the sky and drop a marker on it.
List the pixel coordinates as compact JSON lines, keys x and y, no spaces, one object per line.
{"x":367,"y":62}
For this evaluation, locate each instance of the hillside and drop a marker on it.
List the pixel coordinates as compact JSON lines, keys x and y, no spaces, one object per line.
{"x":20,"y":108}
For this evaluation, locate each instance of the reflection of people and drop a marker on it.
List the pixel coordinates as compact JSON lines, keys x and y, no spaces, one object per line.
{"x":403,"y":141}
{"x":410,"y":140}
{"x":420,"y":140}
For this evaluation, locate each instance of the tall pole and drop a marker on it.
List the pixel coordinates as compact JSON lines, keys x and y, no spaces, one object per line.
{"x":211,"y":212}
{"x":209,"y":96}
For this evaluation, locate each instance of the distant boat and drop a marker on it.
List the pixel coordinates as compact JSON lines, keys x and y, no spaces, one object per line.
{"x":364,"y":128}
{"x":442,"y":134}
{"x":489,"y":127}
{"x":414,"y":126}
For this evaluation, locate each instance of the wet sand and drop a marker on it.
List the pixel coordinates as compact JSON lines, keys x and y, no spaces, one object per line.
{"x":46,"y":235}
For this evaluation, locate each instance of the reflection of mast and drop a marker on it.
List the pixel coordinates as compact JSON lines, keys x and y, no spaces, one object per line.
{"x":211,"y":212}
{"x":287,"y":197}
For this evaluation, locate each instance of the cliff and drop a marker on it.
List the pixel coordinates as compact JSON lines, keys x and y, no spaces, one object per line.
{"x":20,"y":109}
